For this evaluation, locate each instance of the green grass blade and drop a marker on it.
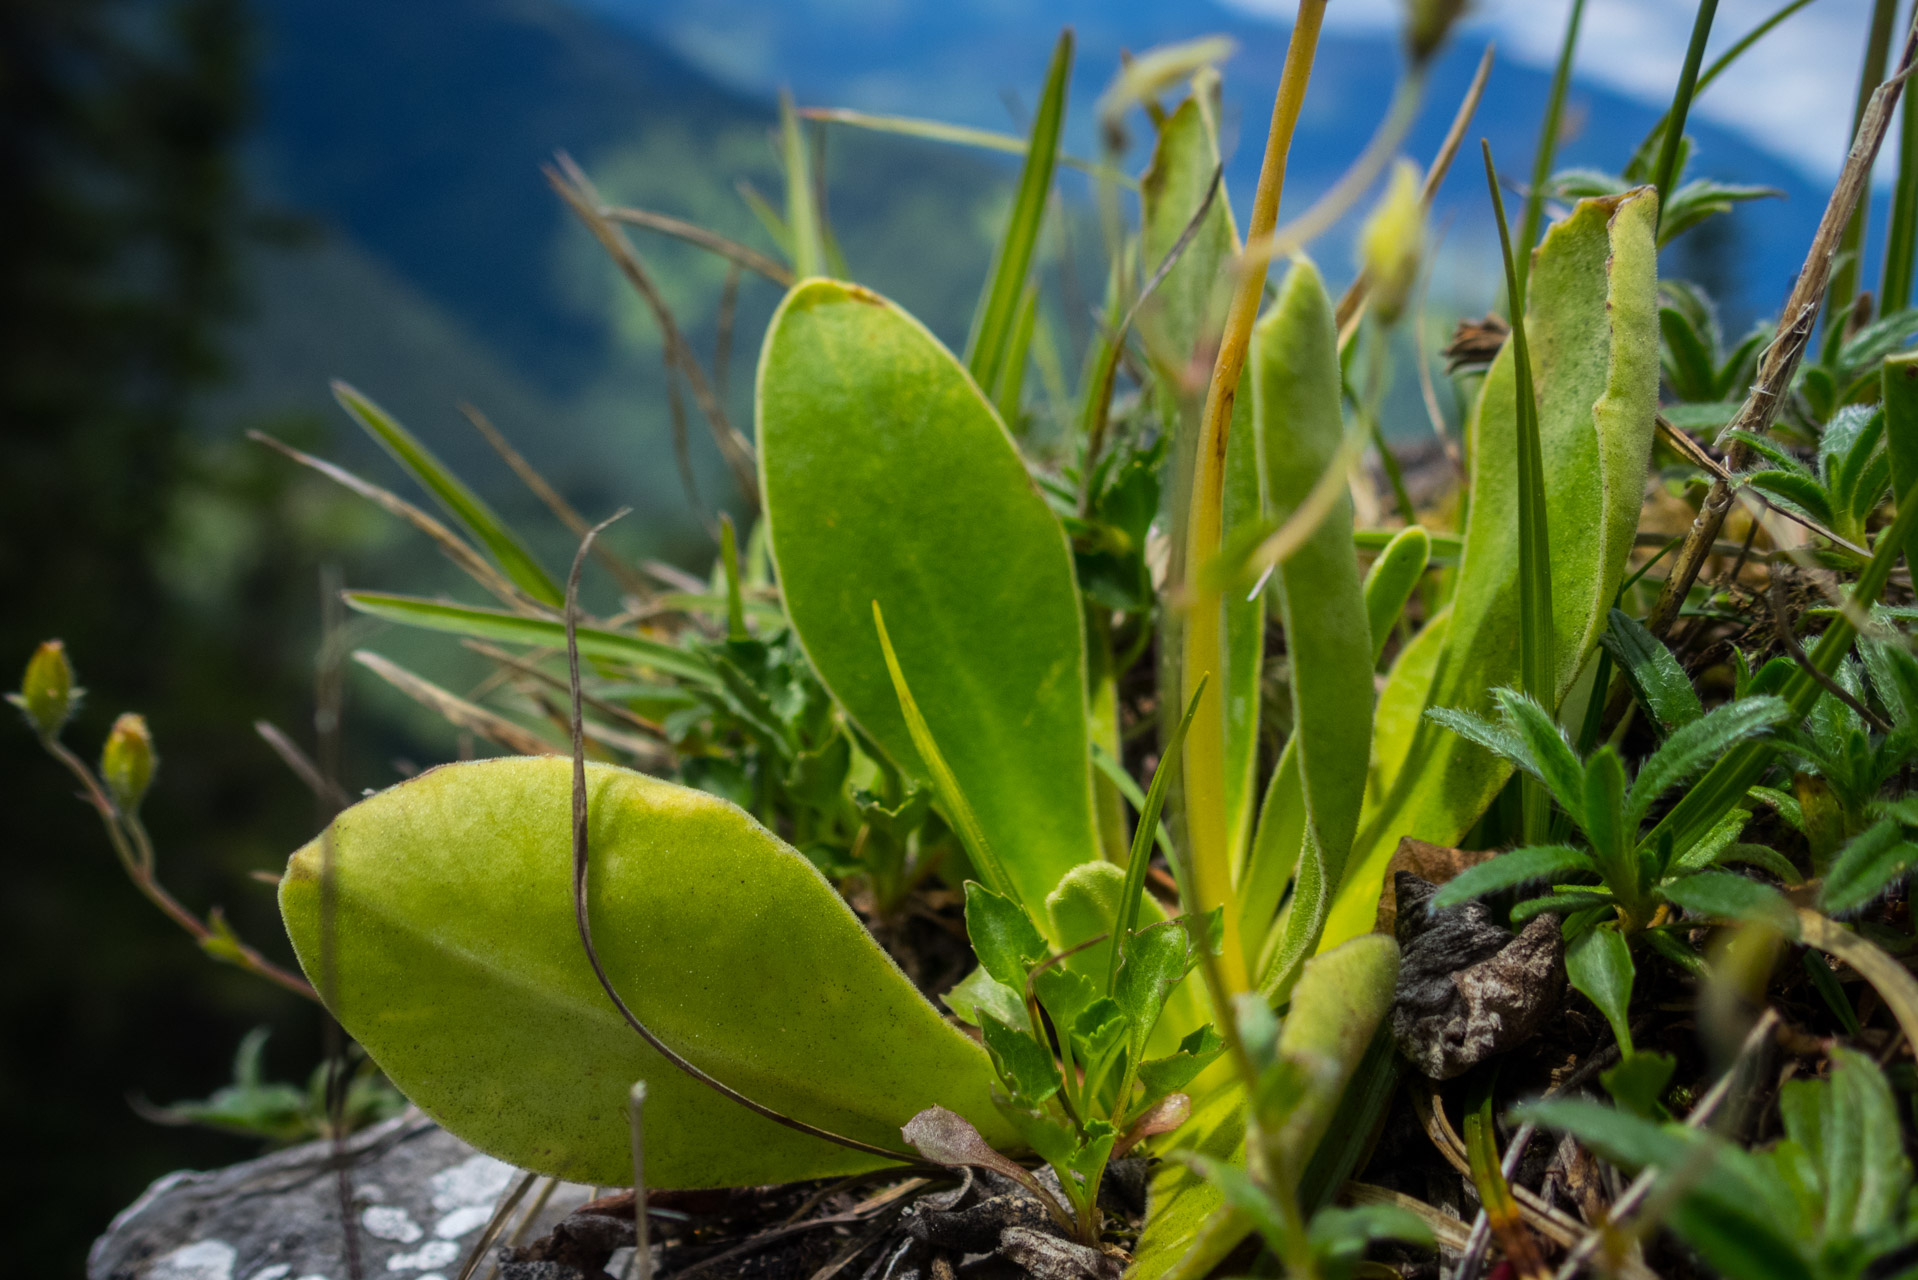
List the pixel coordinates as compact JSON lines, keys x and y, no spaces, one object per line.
{"x":1665,"y":173}
{"x":958,"y":810}
{"x":1537,"y":652}
{"x":1901,"y":241}
{"x":1547,"y":147}
{"x":1846,"y":275}
{"x":460,"y":502}
{"x":729,"y":558}
{"x":1142,"y":837}
{"x":960,"y":135}
{"x":802,"y":205}
{"x":1011,"y":389}
{"x":512,"y":628}
{"x":993,"y":323}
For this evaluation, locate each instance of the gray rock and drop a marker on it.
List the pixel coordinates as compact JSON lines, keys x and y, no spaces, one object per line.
{"x":1469,"y":989}
{"x":1046,"y":1257}
{"x":420,"y":1198}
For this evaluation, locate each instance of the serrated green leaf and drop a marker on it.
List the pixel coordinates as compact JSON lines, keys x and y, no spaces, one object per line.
{"x":1022,"y":1062}
{"x":1801,"y":492}
{"x":455,"y":959}
{"x":1651,"y":670}
{"x":1002,"y":935}
{"x":1509,"y":870}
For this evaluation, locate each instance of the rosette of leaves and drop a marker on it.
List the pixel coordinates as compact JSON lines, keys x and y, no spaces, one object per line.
{"x":1616,"y":887}
{"x":1830,"y":1200}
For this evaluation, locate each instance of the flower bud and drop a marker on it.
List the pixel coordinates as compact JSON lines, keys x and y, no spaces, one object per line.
{"x":126,"y":762}
{"x":1427,"y":23}
{"x":47,"y":696}
{"x":1390,"y":242}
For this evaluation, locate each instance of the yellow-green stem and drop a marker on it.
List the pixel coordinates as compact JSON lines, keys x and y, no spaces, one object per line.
{"x":1206,"y":838}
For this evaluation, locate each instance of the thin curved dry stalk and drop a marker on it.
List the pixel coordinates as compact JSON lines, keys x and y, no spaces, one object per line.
{"x":564,"y":511}
{"x":731,"y":250}
{"x":1789,"y":640}
{"x":454,"y":547}
{"x":573,"y":186}
{"x":1781,"y":358}
{"x":581,"y":842}
{"x":1641,"y":1186}
{"x":1352,"y":301}
{"x":457,"y":711}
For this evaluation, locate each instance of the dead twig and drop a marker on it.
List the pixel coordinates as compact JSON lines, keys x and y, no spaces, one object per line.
{"x":1789,"y":639}
{"x":577,"y":191}
{"x":1781,"y":358}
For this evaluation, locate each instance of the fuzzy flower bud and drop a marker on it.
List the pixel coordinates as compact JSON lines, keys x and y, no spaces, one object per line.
{"x":1390,"y":242}
{"x":127,"y":760}
{"x":1427,"y":22}
{"x":47,"y":696}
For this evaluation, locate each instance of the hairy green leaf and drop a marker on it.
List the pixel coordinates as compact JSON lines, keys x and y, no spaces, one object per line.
{"x":1651,"y":670}
{"x":1599,"y":964}
{"x":1508,"y":871}
{"x":1593,"y":328}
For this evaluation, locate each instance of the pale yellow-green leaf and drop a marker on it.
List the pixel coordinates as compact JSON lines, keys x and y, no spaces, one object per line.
{"x":454,"y":959}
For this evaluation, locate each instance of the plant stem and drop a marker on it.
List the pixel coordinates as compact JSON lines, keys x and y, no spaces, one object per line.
{"x":1781,"y":358}
{"x":1547,"y":148}
{"x":1901,"y":237}
{"x":1206,"y":838}
{"x":1844,"y":281}
{"x":1665,"y":173}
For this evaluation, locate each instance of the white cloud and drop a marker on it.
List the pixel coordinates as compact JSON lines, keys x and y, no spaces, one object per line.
{"x":1791,"y":94}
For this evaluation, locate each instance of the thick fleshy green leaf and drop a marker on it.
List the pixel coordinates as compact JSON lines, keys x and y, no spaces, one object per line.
{"x":1593,"y":328}
{"x":1341,"y":997}
{"x":1390,"y":581}
{"x":1296,"y":404}
{"x":455,"y":960}
{"x":888,"y":477}
{"x":451,"y":493}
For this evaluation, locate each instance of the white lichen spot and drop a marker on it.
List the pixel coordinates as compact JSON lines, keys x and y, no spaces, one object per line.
{"x":201,"y":1260}
{"x":390,"y":1222}
{"x":460,"y":1221}
{"x":434,"y":1253}
{"x":479,"y":1180}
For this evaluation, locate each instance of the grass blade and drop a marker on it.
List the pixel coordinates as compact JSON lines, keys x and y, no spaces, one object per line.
{"x":997,"y":316}
{"x":1665,"y":172}
{"x":1547,"y":148}
{"x":958,"y":135}
{"x":1142,"y":837}
{"x":802,"y":206}
{"x":1901,"y":240}
{"x":460,"y":502}
{"x":455,"y":547}
{"x":1537,"y":661}
{"x":493,"y":624}
{"x":1845,"y":278}
{"x":458,"y":712}
{"x":1203,"y":650}
{"x":958,"y":810}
